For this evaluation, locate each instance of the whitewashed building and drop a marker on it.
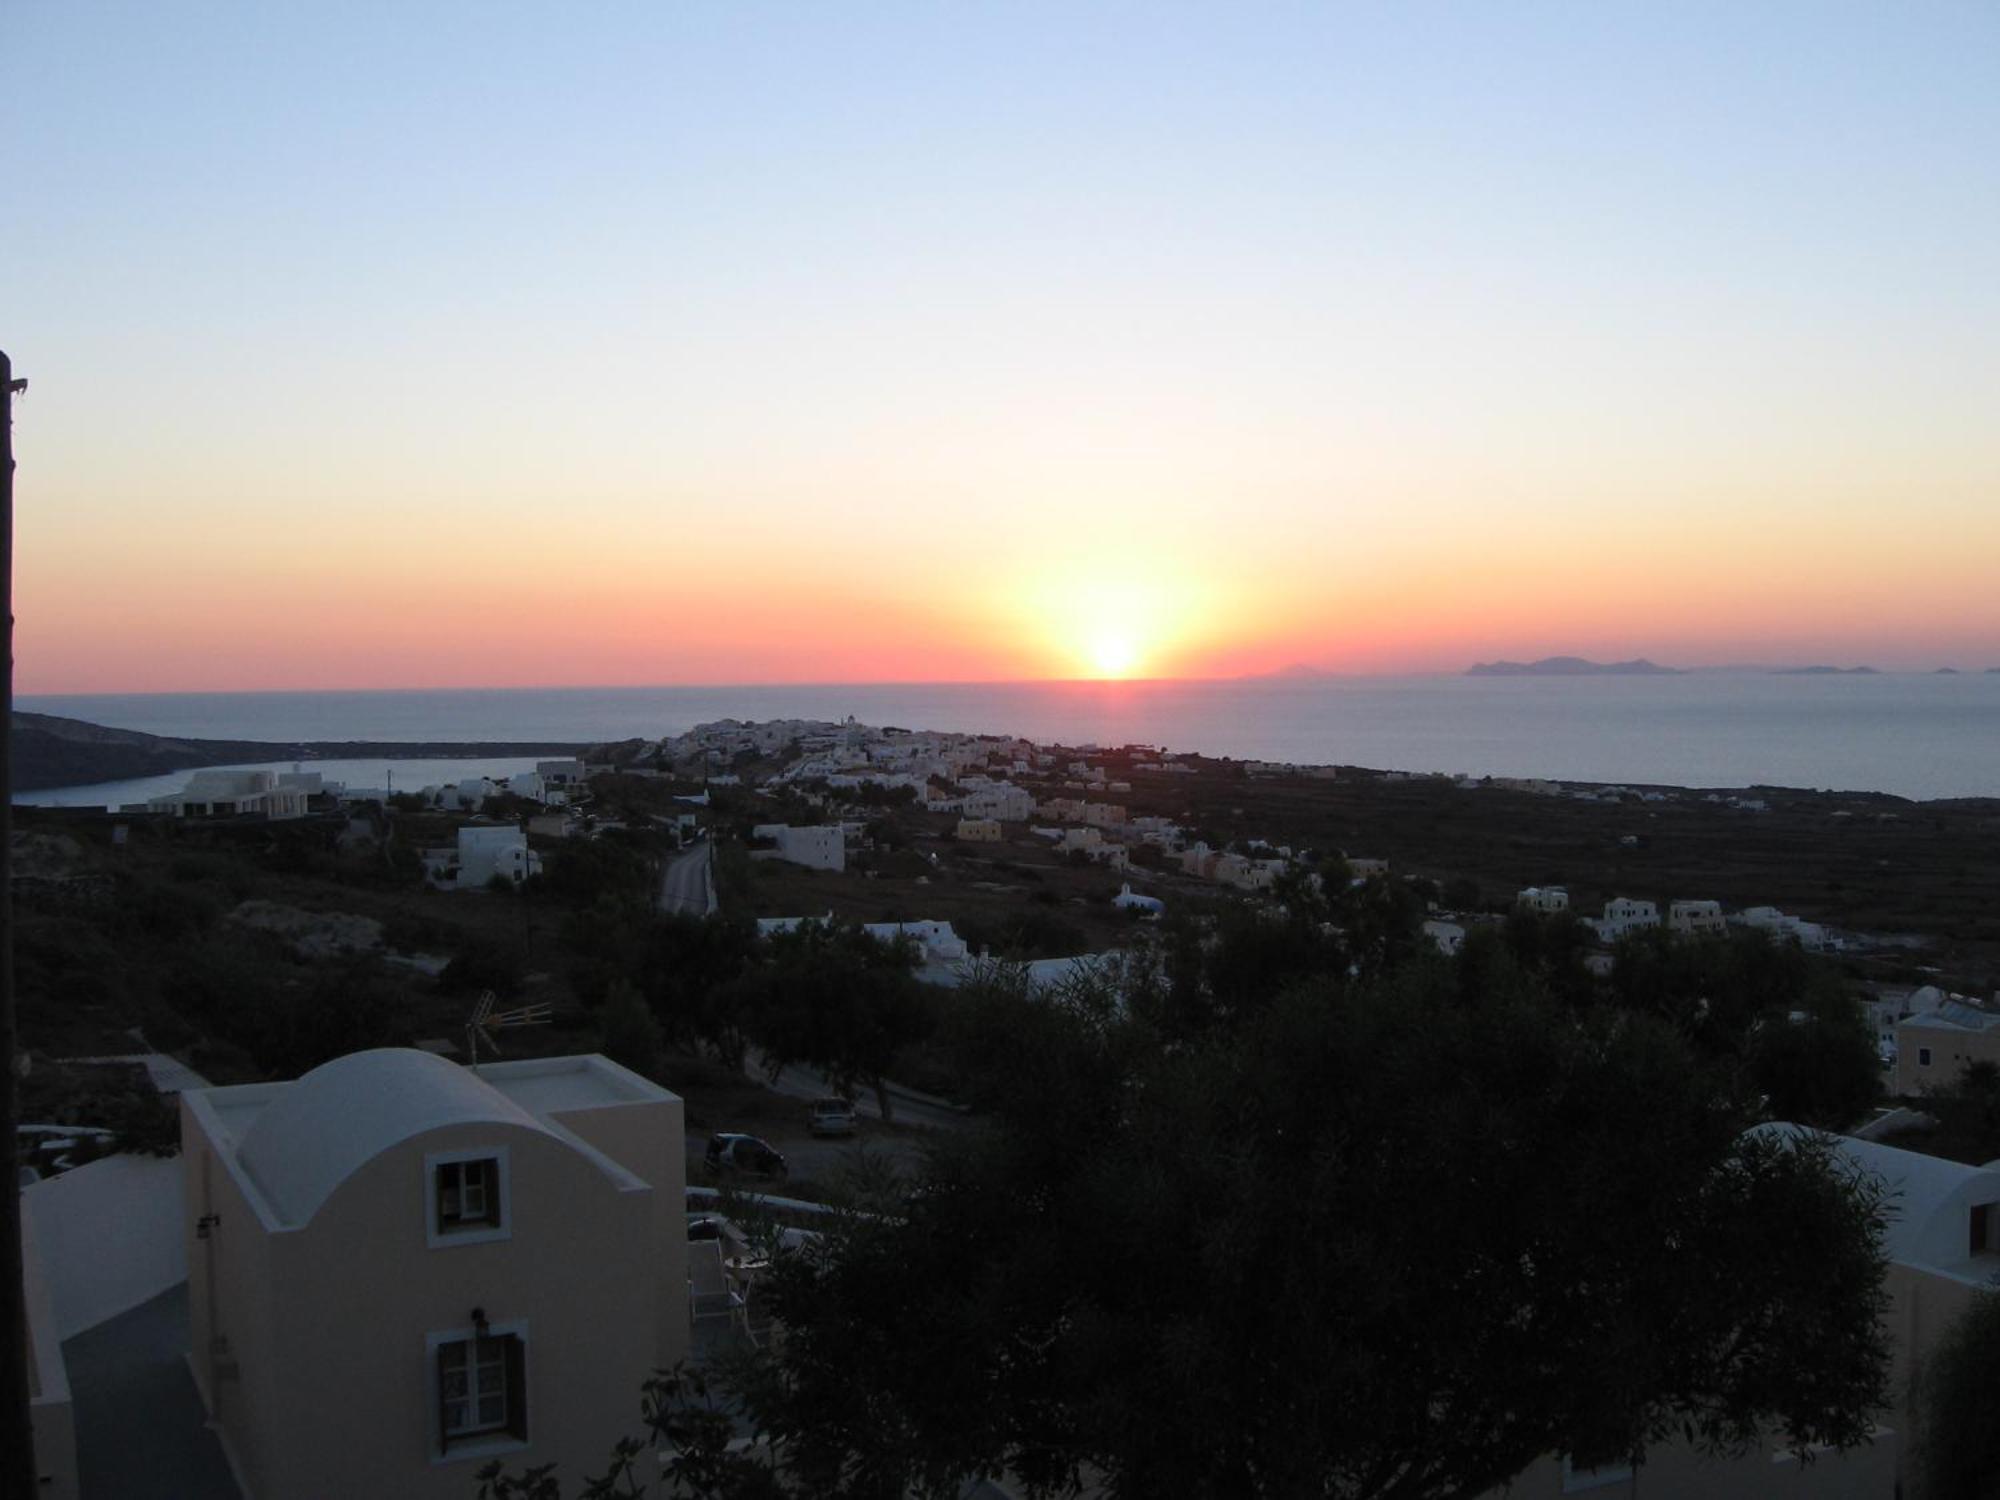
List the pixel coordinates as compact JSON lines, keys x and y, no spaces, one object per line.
{"x":820,"y":847}
{"x":566,"y":772}
{"x":936,"y":942}
{"x":1128,"y":899}
{"x":1546,"y":899}
{"x":1624,"y":914}
{"x":1001,"y":801}
{"x":1696,"y":918}
{"x":1808,"y":935}
{"x":1448,"y":937}
{"x":235,"y":794}
{"x":486,"y":853}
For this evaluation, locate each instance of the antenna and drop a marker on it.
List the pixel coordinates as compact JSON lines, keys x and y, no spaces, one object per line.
{"x":481,"y":1027}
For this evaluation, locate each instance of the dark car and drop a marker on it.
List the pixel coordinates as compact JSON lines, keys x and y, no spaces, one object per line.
{"x":745,"y":1154}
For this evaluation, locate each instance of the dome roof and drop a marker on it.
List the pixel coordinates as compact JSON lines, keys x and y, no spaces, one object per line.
{"x":336,"y":1119}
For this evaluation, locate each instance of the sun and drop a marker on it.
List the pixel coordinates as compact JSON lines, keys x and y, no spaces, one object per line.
{"x":1113,"y":653}
{"x":1095,"y":623}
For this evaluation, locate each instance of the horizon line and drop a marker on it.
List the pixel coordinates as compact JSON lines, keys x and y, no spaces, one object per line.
{"x":1282,"y":674}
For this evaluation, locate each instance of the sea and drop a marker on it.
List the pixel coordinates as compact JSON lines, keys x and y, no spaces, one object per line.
{"x":1913,"y":735}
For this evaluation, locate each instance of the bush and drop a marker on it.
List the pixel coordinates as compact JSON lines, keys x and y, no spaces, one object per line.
{"x":481,"y":966}
{"x":171,"y":912}
{"x":1958,"y":1449}
{"x":630,"y":1036}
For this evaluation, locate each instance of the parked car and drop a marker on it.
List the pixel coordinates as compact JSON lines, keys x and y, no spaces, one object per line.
{"x":730,"y":1152}
{"x":832,"y":1117}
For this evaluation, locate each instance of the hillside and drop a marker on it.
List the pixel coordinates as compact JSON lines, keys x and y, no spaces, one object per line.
{"x":54,"y":752}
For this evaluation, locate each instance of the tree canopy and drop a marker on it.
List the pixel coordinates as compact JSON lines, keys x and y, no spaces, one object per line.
{"x":834,"y":997}
{"x":1958,"y":1445}
{"x":1373,"y":1244}
{"x":1299,"y":1207}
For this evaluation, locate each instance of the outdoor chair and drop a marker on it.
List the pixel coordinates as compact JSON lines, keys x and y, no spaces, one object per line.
{"x":709,"y":1293}
{"x":759,"y":1327}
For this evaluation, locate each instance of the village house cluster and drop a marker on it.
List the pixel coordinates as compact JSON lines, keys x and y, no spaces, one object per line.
{"x":464,"y":1199}
{"x":1065,"y":797}
{"x":1696,"y":918}
{"x":482,"y":852}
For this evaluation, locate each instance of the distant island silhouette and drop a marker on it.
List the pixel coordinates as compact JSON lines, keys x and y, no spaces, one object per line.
{"x":1581,"y":666}
{"x":1570,"y":666}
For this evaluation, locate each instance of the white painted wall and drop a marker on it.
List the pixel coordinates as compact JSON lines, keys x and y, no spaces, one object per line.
{"x":110,"y":1237}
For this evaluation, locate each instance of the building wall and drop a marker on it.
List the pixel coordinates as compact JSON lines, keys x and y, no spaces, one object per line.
{"x":647,"y":1140}
{"x":51,"y":1416}
{"x":110,"y":1237}
{"x":821,"y":848}
{"x":1006,"y":803}
{"x":328,"y":1322}
{"x":229,"y":1302}
{"x":1951,"y":1048}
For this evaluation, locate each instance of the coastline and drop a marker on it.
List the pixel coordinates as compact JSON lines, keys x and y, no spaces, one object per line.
{"x":57,"y":754}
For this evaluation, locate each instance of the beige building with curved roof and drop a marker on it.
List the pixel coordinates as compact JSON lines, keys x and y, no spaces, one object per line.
{"x":400,"y":1268}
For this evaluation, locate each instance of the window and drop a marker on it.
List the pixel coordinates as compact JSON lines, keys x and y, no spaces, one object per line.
{"x":468,"y":1196}
{"x":1923,"y":1057}
{"x":479,"y":1377}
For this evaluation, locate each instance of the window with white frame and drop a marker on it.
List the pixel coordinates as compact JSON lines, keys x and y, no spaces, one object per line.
{"x":467,"y":1196}
{"x":479,"y":1376}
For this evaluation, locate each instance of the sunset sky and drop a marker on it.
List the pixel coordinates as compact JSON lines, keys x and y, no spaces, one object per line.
{"x":379,"y":345}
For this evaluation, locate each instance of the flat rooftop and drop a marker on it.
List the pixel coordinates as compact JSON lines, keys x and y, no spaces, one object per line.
{"x":553,"y":1085}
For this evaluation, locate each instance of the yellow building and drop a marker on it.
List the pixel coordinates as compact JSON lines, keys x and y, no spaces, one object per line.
{"x":458,"y":1264}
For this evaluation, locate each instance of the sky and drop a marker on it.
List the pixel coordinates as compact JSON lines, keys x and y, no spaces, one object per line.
{"x":379,"y":345}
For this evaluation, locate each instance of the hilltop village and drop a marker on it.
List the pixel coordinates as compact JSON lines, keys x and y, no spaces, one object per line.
{"x":699,"y":991}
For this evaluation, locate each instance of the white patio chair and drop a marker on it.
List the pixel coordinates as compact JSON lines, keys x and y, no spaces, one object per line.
{"x":709,"y":1293}
{"x":759,"y":1327}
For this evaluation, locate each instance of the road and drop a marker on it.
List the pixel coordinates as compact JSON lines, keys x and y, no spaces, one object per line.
{"x":688,"y":884}
{"x":800,"y":1082}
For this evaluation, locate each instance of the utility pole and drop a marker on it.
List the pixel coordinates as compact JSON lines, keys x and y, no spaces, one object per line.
{"x":18,"y":1475}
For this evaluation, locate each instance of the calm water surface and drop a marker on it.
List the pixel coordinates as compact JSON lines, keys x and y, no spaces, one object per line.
{"x":1913,"y":735}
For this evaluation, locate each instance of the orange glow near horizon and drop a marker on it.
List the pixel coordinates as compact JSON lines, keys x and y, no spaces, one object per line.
{"x":260,"y":622}
{"x":181,"y":578}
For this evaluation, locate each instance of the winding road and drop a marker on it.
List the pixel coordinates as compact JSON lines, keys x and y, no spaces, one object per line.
{"x":688,"y":883}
